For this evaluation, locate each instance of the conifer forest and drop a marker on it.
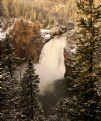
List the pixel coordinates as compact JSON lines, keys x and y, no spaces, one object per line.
{"x":50,"y":60}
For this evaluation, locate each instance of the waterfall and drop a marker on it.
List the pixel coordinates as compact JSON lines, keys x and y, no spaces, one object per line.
{"x":51,"y":64}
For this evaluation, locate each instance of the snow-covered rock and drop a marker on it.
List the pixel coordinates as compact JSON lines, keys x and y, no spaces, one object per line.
{"x":71,"y":43}
{"x":2,"y":32}
{"x":45,"y":34}
{"x":45,"y":31}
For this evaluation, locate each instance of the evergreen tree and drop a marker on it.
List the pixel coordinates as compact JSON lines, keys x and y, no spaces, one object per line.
{"x":31,"y":109}
{"x":8,"y":96}
{"x":86,"y":104}
{"x":9,"y":58}
{"x":2,"y":92}
{"x":1,"y":7}
{"x":60,"y":111}
{"x":10,"y":85}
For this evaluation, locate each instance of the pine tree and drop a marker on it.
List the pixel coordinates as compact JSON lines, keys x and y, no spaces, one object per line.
{"x":31,"y":109}
{"x":60,"y":111}
{"x":86,"y":104}
{"x":2,"y":92}
{"x":1,"y":7}
{"x":8,"y":96}
{"x":9,"y":58}
{"x":10,"y":85}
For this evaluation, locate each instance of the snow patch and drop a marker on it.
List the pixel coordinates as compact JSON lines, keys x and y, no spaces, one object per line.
{"x":7,"y":31}
{"x":45,"y":34}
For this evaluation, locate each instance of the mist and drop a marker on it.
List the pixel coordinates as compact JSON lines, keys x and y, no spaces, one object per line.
{"x":51,"y":65}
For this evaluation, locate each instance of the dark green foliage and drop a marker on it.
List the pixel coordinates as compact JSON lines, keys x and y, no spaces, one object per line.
{"x":1,"y":7}
{"x":61,"y":111}
{"x":86,"y":104}
{"x":31,"y":109}
{"x":8,"y":96}
{"x":2,"y":92}
{"x":9,"y":85}
{"x":9,"y":58}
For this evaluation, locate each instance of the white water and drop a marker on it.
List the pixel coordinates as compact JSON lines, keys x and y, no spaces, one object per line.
{"x":51,"y":66}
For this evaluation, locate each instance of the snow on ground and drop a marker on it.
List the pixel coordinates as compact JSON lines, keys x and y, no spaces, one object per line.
{"x":3,"y":33}
{"x":7,"y":31}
